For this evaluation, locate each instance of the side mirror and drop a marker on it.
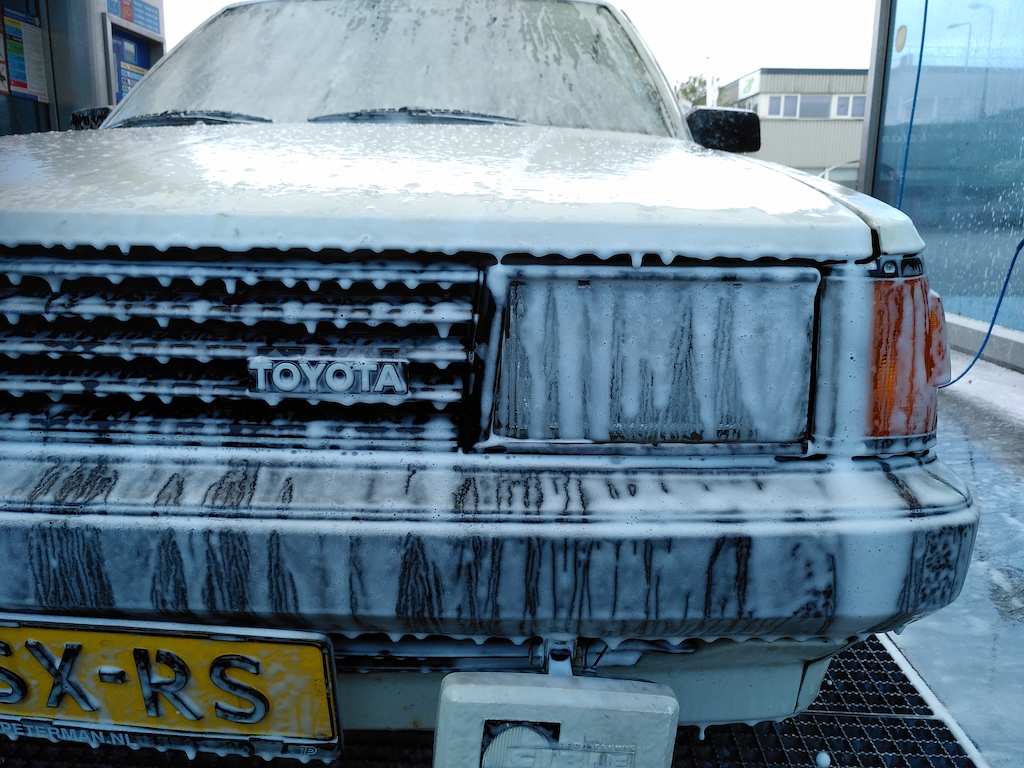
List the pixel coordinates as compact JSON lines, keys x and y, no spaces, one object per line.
{"x":87,"y":119}
{"x":726,"y":128}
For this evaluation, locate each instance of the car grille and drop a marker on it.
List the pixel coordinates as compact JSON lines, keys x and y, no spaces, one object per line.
{"x":154,"y":347}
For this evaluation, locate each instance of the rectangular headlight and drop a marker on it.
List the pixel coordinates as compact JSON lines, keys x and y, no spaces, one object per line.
{"x":697,"y":355}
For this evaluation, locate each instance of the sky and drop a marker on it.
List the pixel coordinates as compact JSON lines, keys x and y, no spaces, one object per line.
{"x":688,"y":38}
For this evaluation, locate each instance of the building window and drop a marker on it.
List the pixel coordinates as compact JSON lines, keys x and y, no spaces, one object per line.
{"x":782,"y":106}
{"x":816,"y":106}
{"x":850,"y":106}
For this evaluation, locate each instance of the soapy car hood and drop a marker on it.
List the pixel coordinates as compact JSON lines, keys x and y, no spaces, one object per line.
{"x":448,"y":188}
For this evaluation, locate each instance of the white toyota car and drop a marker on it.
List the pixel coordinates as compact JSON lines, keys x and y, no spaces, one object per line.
{"x":415,"y":364}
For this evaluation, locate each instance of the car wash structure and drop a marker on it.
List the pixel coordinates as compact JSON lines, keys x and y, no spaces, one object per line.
{"x":59,"y":56}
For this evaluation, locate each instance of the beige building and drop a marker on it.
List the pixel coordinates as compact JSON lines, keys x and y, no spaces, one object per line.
{"x":811,"y":119}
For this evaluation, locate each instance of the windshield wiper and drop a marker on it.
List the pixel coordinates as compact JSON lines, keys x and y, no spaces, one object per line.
{"x":414,"y":115}
{"x":190,"y":117}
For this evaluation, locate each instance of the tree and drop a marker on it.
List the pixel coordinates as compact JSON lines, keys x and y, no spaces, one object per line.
{"x":693,"y":90}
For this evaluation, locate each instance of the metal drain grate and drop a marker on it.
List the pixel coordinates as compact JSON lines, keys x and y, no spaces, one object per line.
{"x":868,"y":715}
{"x":849,"y":741}
{"x":864,"y":680}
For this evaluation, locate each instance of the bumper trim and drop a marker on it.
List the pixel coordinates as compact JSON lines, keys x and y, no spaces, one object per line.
{"x":485,"y":546}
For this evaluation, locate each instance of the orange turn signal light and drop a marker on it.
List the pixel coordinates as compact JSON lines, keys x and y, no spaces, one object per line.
{"x":910,"y":358}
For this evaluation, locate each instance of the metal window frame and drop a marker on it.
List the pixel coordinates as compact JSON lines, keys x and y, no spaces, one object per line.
{"x":880,"y":44}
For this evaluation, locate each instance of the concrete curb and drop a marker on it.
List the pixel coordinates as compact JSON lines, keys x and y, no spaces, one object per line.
{"x":1005,"y":348}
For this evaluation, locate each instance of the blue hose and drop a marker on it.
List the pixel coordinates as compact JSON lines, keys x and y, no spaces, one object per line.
{"x":913,"y":108}
{"x":1002,"y":295}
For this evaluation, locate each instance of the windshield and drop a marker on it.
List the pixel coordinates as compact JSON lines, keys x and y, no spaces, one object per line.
{"x":547,"y":62}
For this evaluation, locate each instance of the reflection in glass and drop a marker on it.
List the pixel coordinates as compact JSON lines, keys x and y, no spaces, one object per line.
{"x":965,"y":176}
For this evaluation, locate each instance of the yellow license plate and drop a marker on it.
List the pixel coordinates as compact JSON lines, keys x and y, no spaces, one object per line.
{"x":240,"y":685}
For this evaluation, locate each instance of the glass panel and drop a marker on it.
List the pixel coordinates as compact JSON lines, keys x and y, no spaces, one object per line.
{"x":964,"y":184}
{"x":842,"y":106}
{"x":567,"y":64}
{"x":816,"y":106}
{"x":19,"y":114}
{"x":789,"y":106}
{"x":858,"y":106}
{"x":774,"y":105}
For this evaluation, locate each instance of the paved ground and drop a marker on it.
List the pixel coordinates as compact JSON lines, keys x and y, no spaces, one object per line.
{"x":972,"y":654}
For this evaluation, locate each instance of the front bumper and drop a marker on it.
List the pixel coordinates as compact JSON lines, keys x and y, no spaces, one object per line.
{"x":509,"y":546}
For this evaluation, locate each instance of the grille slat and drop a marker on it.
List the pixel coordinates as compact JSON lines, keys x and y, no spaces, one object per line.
{"x":314,"y":274}
{"x":198,"y":309}
{"x":158,"y":348}
{"x":129,"y":346}
{"x":102,"y":385}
